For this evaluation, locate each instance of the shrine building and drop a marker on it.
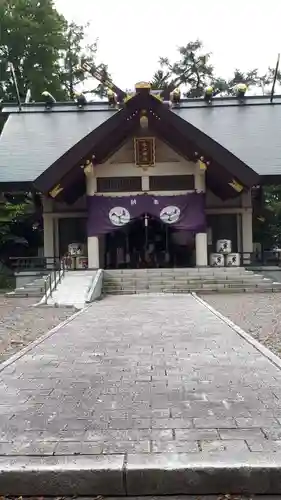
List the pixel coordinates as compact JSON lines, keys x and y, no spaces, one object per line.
{"x":145,"y":183}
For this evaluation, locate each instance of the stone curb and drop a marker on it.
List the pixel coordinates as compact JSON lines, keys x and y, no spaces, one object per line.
{"x":142,"y":475}
{"x":246,"y":336}
{"x":63,"y":476}
{"x":38,"y":341}
{"x":198,"y":474}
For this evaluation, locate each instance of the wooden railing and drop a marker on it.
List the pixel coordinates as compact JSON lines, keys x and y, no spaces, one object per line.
{"x":34,"y":263}
{"x":265,"y":258}
{"x":47,"y":263}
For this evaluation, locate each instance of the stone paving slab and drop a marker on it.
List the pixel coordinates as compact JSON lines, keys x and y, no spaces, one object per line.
{"x":158,"y":389}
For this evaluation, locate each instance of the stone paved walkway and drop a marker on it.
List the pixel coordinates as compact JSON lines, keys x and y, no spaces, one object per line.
{"x":141,"y":374}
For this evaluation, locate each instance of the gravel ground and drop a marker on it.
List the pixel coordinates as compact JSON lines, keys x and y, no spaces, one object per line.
{"x":258,"y":314}
{"x":21,"y":323}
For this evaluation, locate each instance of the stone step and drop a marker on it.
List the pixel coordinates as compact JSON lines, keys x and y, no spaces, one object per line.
{"x":188,"y":285}
{"x":38,"y":283}
{"x":183,"y":277}
{"x":255,"y":280}
{"x":188,"y":290}
{"x":32,"y":288}
{"x":178,"y":275}
{"x":191,"y":269}
{"x":198,"y":284}
{"x":25,"y":293}
{"x":207,"y":291}
{"x":174,"y":272}
{"x":185,"y":280}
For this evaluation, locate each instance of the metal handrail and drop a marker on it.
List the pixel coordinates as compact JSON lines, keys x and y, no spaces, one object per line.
{"x":58,"y":275}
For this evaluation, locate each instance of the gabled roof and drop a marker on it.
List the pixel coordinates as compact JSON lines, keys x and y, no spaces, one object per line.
{"x":49,"y":148}
{"x":250,"y":131}
{"x":33,"y":140}
{"x":224,"y":168}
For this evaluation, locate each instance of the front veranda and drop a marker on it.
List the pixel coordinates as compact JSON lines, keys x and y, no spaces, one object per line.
{"x":145,"y":241}
{"x":148,"y":243}
{"x":147,"y":231}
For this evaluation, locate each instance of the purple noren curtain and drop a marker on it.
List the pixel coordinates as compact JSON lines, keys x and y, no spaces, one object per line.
{"x":106,"y":214}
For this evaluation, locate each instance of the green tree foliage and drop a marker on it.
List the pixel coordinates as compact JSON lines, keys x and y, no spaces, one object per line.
{"x":194,"y":72}
{"x":32,"y":37}
{"x":44,"y":49}
{"x":272,"y":226}
{"x":20,"y":224}
{"x":77,"y":51}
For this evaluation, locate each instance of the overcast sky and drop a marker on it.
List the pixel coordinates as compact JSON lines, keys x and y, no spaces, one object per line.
{"x":134,"y":33}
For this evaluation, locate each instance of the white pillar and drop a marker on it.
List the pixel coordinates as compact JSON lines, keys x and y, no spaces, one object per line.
{"x":93,"y":252}
{"x":201,"y":249}
{"x":199,"y":180}
{"x":102,"y":240}
{"x":56,"y":237}
{"x":247,"y":235}
{"x":91,"y":180}
{"x":48,"y":227}
{"x":201,"y":239}
{"x":239,"y":233}
{"x":93,"y":241}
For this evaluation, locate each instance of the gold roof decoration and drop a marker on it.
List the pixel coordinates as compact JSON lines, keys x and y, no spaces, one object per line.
{"x":142,"y":85}
{"x":89,"y":167}
{"x":56,"y":191}
{"x":202,"y":165}
{"x":158,"y":96}
{"x":129,"y":96}
{"x":236,"y":186}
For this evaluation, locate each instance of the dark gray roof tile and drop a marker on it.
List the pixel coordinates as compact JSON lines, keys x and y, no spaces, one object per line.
{"x":31,"y":142}
{"x":252,"y":133}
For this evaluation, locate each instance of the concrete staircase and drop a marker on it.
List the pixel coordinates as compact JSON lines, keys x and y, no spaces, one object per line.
{"x":186,"y":280}
{"x":36,"y":289}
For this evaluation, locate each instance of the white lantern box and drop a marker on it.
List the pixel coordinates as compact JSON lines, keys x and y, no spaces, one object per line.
{"x":224,"y":246}
{"x":217,"y":260}
{"x":233,"y":260}
{"x":76,"y":248}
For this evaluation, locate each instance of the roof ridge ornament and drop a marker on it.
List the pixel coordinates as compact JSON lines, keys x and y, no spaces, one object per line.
{"x":88,"y":168}
{"x":143,"y":85}
{"x":100,"y":75}
{"x":80,"y":100}
{"x":240,"y":90}
{"x":48,"y":99}
{"x":175,"y":97}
